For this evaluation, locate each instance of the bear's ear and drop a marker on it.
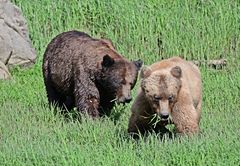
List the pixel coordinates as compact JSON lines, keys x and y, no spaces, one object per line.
{"x":107,"y":61}
{"x":145,"y":72}
{"x":138,"y":63}
{"x":176,"y":72}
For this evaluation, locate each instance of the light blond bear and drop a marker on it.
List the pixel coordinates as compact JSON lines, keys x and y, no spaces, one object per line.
{"x":172,"y":90}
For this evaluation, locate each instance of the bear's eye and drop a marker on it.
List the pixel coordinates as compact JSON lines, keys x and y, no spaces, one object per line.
{"x":170,"y":98}
{"x":157,"y":98}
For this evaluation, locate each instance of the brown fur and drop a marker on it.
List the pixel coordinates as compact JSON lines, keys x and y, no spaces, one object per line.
{"x":87,"y":73}
{"x":171,"y":86}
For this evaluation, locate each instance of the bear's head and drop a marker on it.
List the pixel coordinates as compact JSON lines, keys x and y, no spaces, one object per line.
{"x":161,"y":89}
{"x":118,"y":77}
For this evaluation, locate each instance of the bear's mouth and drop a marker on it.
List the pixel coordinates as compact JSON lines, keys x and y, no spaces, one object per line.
{"x":113,"y":100}
{"x":118,"y":101}
{"x":166,"y":121}
{"x":123,"y":100}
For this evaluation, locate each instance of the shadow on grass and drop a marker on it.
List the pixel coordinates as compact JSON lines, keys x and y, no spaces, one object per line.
{"x":74,"y":115}
{"x":170,"y":136}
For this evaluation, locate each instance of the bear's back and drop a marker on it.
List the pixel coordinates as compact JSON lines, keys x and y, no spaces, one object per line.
{"x":70,"y":51}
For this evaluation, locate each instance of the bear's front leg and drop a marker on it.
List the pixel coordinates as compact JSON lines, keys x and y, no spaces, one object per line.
{"x":133,"y":126}
{"x":185,"y":119}
{"x":86,"y":96}
{"x":138,"y":125}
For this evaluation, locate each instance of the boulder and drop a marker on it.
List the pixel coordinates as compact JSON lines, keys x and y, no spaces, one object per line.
{"x":15,"y":45}
{"x":4,"y":73}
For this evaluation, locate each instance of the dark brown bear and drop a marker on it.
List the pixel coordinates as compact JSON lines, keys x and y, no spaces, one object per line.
{"x":87,"y":73}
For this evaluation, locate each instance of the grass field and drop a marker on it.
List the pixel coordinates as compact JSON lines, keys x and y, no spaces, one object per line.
{"x":31,"y":134}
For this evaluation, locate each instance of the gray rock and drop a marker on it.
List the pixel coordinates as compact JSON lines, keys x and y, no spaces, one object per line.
{"x":15,"y":45}
{"x":4,"y":74}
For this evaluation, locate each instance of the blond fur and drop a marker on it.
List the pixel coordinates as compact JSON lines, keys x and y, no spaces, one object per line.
{"x":186,"y":110}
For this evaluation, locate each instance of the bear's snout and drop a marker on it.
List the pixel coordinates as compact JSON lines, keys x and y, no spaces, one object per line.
{"x":124,"y":94}
{"x":164,"y":115}
{"x":123,"y":99}
{"x":128,"y":99}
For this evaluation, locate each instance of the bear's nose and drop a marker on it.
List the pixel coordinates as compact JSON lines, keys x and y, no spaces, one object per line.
{"x":128,"y":99}
{"x":164,"y":115}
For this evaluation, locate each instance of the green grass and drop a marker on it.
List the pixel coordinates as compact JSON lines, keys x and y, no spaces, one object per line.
{"x":31,"y":134}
